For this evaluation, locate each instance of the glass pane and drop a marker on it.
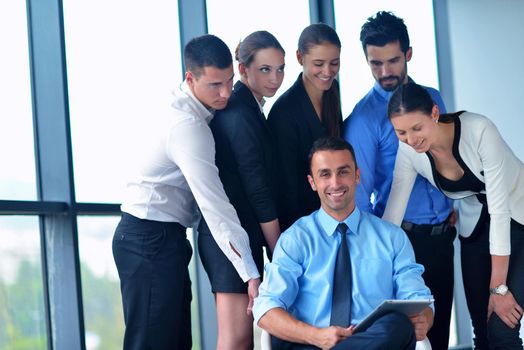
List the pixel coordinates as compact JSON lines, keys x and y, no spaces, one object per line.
{"x":22,"y":312}
{"x":195,"y":316}
{"x":103,"y":314}
{"x":271,"y":15}
{"x":355,"y":76}
{"x":17,"y":178}
{"x":123,"y":61}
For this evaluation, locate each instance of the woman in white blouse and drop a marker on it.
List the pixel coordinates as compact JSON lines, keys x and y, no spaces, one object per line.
{"x":464,"y":156}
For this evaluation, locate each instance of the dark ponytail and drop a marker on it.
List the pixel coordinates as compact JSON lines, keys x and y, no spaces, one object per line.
{"x":331,"y":112}
{"x":412,"y":97}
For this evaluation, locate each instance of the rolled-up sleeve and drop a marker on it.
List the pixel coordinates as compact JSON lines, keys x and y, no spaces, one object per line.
{"x":407,"y":274}
{"x":280,"y":286}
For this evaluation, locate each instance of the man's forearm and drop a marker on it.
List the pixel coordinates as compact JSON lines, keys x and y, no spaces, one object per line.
{"x":281,"y":324}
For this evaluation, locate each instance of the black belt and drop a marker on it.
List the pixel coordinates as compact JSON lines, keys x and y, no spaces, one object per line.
{"x":432,"y":230}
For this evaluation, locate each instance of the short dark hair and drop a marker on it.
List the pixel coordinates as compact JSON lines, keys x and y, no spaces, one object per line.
{"x":383,"y":29}
{"x":206,"y":51}
{"x":248,"y":48}
{"x":330,"y":143}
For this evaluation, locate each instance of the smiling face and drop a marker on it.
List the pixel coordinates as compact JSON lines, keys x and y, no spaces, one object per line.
{"x":417,"y":129}
{"x":388,"y":64}
{"x":320,"y":66}
{"x":265,"y":73}
{"x":212,"y":87}
{"x":335,"y":177}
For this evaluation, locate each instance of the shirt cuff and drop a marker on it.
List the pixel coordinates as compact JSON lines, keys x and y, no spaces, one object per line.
{"x":262,"y":306}
{"x":246,"y":268}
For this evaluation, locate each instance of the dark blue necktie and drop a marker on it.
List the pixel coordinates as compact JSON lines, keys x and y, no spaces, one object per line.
{"x":341,"y":303}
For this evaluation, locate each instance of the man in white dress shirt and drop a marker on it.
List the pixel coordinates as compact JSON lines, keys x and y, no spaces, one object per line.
{"x":176,"y":182}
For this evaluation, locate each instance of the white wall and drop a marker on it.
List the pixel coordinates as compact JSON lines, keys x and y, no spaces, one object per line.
{"x":480,"y":48}
{"x":486,"y":58}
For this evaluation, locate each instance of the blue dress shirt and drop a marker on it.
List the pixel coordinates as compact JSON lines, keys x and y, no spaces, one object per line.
{"x":299,"y":279}
{"x":371,"y":134}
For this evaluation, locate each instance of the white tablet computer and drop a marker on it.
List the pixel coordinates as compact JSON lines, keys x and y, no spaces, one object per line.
{"x":407,"y":307}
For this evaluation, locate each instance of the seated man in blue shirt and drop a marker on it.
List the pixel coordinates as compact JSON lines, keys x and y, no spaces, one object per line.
{"x":297,"y":295}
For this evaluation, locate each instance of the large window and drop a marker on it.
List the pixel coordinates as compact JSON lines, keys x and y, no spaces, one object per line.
{"x":104,"y":325}
{"x":22,"y":315}
{"x":355,"y":76}
{"x":103,"y":318}
{"x":270,"y":15}
{"x":123,"y":61}
{"x":17,"y":177}
{"x":121,"y":73}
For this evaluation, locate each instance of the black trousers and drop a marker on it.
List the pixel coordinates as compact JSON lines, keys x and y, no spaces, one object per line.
{"x":392,"y":331}
{"x":476,"y":273}
{"x":435,"y":253}
{"x":152,"y":259}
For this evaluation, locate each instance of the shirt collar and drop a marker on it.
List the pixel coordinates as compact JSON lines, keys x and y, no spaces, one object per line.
{"x":260,"y":104}
{"x":242,"y":88}
{"x":329,"y":224}
{"x":379,"y":90}
{"x":199,"y":108}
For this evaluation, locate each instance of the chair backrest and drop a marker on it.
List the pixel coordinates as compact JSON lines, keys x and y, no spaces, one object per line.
{"x":265,"y":341}
{"x":421,"y":345}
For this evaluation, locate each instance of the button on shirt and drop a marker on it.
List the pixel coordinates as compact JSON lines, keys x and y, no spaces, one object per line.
{"x":299,"y":278}
{"x":177,"y":180}
{"x":371,"y":134}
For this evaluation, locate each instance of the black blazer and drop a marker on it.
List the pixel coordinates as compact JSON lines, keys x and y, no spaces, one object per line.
{"x":246,"y":161}
{"x":295,"y":126}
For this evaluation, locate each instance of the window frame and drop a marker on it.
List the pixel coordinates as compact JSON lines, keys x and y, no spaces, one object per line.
{"x":56,"y":204}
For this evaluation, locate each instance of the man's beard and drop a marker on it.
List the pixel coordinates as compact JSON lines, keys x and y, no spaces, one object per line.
{"x":389,"y":79}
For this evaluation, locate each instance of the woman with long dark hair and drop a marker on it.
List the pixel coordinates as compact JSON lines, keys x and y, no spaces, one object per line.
{"x":307,"y":111}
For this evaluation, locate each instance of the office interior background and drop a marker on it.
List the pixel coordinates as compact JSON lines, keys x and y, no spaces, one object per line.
{"x":80,"y":82}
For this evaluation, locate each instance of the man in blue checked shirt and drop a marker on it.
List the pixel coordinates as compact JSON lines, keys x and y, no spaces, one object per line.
{"x":385,"y":41}
{"x":296,"y":300}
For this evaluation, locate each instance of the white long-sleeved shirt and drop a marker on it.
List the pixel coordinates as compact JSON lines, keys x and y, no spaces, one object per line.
{"x":177,"y":180}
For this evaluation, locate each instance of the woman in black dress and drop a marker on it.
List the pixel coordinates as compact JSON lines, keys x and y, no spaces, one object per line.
{"x":307,"y":111}
{"x":246,"y":162}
